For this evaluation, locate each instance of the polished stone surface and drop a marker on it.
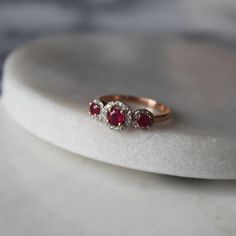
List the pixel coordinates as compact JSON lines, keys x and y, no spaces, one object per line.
{"x":45,"y":190}
{"x":48,"y":85}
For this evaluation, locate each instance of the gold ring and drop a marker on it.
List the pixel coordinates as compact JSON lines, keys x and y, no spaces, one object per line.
{"x":114,"y":111}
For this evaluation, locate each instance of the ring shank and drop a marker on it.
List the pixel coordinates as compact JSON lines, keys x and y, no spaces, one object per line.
{"x":164,"y":112}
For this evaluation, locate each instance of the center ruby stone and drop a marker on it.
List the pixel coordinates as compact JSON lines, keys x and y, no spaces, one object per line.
{"x":115,"y":116}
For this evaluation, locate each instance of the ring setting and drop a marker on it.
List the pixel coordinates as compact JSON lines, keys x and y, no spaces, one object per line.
{"x":95,"y":109}
{"x":143,"y":118}
{"x":117,"y":115}
{"x":114,"y":111}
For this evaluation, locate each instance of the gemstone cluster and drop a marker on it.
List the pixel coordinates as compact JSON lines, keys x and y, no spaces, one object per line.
{"x":118,"y":115}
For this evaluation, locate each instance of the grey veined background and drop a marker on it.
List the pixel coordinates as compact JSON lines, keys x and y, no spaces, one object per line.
{"x":22,"y":20}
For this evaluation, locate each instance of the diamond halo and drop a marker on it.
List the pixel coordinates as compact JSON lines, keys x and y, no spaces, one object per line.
{"x":100,"y":105}
{"x":143,"y":119}
{"x":121,"y":110}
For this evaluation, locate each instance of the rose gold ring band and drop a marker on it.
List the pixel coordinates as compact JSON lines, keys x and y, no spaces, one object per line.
{"x":164,"y":112}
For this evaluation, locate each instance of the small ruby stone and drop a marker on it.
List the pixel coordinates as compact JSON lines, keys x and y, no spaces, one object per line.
{"x":115,"y":116}
{"x":144,"y":121}
{"x":94,"y":109}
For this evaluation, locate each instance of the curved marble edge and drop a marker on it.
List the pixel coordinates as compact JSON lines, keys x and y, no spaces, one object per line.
{"x":69,"y":128}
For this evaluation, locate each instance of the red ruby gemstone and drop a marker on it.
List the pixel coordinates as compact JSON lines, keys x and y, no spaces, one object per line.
{"x":94,"y":109}
{"x":144,"y":121}
{"x":115,"y":116}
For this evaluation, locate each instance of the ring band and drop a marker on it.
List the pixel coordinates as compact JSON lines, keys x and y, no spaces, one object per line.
{"x":114,"y":111}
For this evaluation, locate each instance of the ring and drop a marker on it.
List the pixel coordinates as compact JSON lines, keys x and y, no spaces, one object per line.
{"x":115,"y":112}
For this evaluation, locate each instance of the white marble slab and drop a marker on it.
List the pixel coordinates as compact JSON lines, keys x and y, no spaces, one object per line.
{"x":49,"y":83}
{"x":45,"y":190}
